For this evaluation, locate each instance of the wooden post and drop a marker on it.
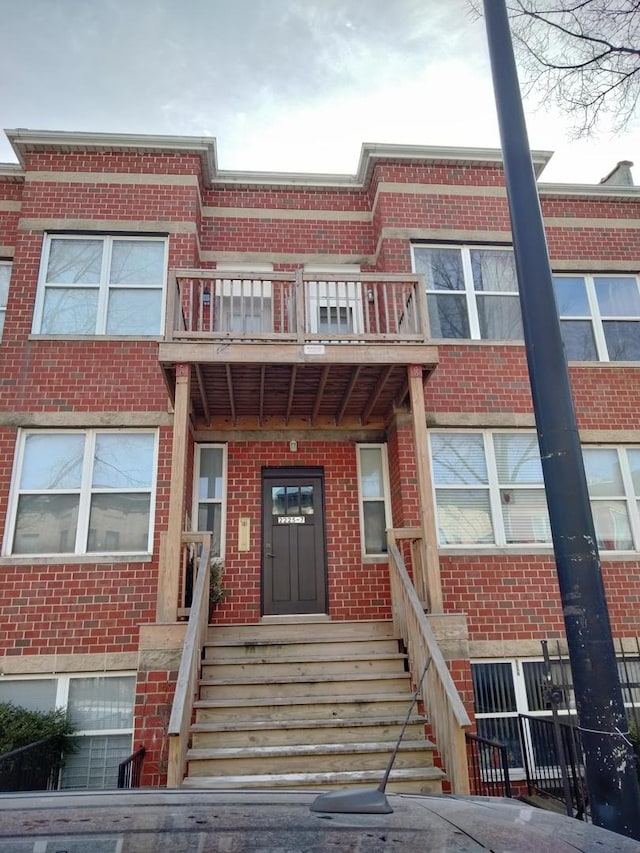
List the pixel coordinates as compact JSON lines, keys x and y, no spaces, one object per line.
{"x":169,"y":575}
{"x":427,"y":511}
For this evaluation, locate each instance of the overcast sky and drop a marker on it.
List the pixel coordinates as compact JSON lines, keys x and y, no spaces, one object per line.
{"x":283,"y":85}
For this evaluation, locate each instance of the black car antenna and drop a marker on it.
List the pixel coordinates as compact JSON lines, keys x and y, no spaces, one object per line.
{"x":368,"y":800}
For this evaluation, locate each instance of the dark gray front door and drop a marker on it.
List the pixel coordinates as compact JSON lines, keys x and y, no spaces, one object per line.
{"x":293,"y":547}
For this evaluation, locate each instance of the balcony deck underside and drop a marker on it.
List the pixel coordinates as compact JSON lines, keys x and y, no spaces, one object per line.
{"x":283,"y":386}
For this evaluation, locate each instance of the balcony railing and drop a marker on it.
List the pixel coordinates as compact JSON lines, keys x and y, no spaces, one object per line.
{"x":296,"y":307}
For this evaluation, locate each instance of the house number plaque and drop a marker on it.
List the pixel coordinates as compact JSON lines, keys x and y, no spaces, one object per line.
{"x":291,"y":519}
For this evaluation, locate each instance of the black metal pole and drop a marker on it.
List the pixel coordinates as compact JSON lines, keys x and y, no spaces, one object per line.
{"x":610,"y":767}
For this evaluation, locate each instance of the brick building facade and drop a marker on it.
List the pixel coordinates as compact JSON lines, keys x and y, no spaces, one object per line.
{"x":186,"y":348}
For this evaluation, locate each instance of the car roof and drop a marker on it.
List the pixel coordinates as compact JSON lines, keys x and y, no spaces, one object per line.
{"x":185,"y":821}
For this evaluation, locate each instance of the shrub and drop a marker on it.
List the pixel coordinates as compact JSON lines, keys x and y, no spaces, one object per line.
{"x":20,"y":727}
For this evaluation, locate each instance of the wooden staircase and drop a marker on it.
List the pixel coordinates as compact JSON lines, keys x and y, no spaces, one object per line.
{"x":307,"y":705}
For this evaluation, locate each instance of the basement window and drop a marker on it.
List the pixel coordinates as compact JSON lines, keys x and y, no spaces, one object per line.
{"x":101,"y":286}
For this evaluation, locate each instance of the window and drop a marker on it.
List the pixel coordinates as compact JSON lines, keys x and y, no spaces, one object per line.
{"x":472,"y":292}
{"x":210,"y":492}
{"x":373,"y":485}
{"x":599,"y":316}
{"x":83,"y":492}
{"x":101,"y":285}
{"x":5,"y":275}
{"x":613,"y":479}
{"x":101,"y":710}
{"x":334,"y":307}
{"x":489,"y":488}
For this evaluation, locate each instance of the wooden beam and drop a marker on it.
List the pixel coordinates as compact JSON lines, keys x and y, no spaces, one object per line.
{"x":207,"y":351}
{"x":169,"y":572}
{"x":382,"y":381}
{"x":292,"y":388}
{"x":347,"y":394}
{"x":320,"y":393}
{"x":203,"y":393}
{"x":232,"y":402}
{"x":425,"y":496}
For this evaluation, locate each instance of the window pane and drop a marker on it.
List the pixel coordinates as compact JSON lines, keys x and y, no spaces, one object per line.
{"x":134,"y":312}
{"x":571,"y":296}
{"x":69,"y":312}
{"x":74,"y":261}
{"x":137,"y":262}
{"x":458,"y":458}
{"x":52,"y":461}
{"x":123,"y":460}
{"x":517,"y":458}
{"x":499,"y":318}
{"x":119,"y":523}
{"x":623,"y":340}
{"x":578,"y":339}
{"x":611,"y":521}
{"x":306,"y":500}
{"x":536,"y":682}
{"x":375,"y":533}
{"x":210,"y":475}
{"x":525,"y":515}
{"x":493,"y":690}
{"x":46,"y":524}
{"x":464,"y":516}
{"x":2,"y":315}
{"x":94,"y":764}
{"x":448,"y":316}
{"x":371,"y":472}
{"x":602,"y":468}
{"x":36,"y":695}
{"x":101,"y":703}
{"x":618,"y":297}
{"x":634,"y":464}
{"x":442,"y":268}
{"x":210,"y":518}
{"x":494,"y":270}
{"x":505,"y":731}
{"x":5,"y":275}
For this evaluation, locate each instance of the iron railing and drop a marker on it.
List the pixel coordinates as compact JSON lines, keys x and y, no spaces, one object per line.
{"x":130,"y":770}
{"x":488,"y":767}
{"x":553,"y":762}
{"x":35,"y":767}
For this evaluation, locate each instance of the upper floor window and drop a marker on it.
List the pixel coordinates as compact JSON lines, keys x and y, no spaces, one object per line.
{"x":83,"y":492}
{"x":5,"y":275}
{"x":101,"y":286}
{"x":373,"y":484}
{"x":599,"y":316}
{"x":472,"y":291}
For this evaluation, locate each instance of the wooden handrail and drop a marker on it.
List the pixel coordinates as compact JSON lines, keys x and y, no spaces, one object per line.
{"x":441,"y":699}
{"x":189,"y":672}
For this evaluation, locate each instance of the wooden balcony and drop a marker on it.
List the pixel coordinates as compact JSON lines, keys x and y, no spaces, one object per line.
{"x":295,"y":348}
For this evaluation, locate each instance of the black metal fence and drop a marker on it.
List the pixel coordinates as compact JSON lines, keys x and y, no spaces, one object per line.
{"x":488,"y":767}
{"x":35,"y":767}
{"x":130,"y":770}
{"x":553,"y":762}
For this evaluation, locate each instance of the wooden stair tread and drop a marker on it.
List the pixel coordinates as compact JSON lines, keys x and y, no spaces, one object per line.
{"x":335,"y":722}
{"x":306,"y":749}
{"x":326,"y":658}
{"x":354,"y":699}
{"x":280,"y":780}
{"x":303,"y":679}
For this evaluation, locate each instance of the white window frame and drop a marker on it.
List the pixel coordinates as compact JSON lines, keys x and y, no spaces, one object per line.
{"x":629,"y":497}
{"x":469,"y":291}
{"x":493,"y":487}
{"x":3,"y":306}
{"x":63,"y":682}
{"x":222,"y":501}
{"x":385,"y":498}
{"x":336,"y":295}
{"x":595,"y":317}
{"x":103,"y":287}
{"x":85,"y":491}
